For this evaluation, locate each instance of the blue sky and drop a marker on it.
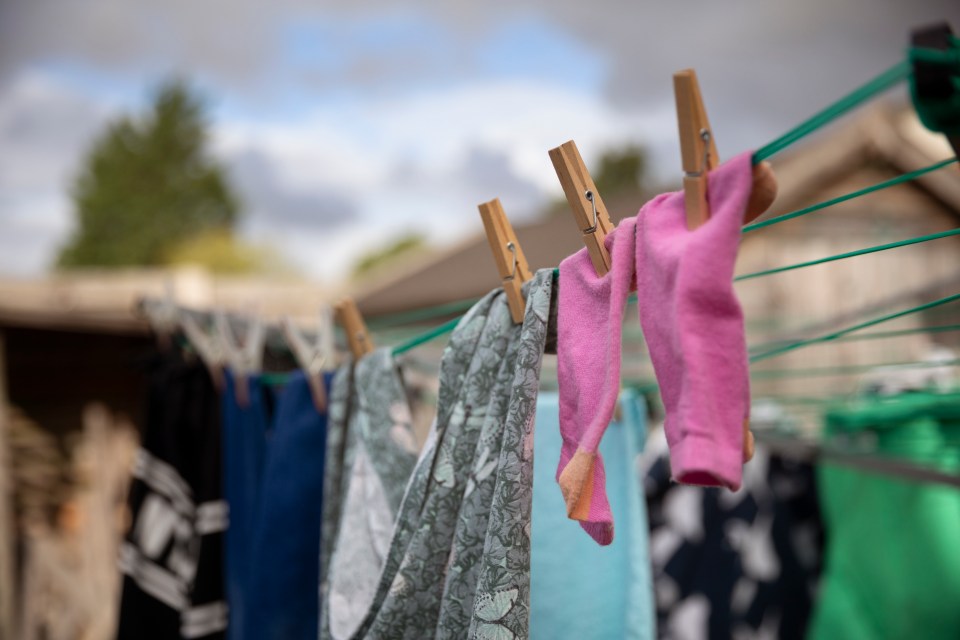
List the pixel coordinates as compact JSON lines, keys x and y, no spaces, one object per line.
{"x":345,"y":125}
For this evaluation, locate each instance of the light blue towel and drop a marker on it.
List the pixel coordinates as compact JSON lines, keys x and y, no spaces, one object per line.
{"x":578,"y":588}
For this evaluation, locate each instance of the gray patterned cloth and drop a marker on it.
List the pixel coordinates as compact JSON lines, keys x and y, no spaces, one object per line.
{"x":371,"y":452}
{"x":459,"y":561}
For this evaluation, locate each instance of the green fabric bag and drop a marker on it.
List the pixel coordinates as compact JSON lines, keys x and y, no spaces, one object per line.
{"x":893,"y":545}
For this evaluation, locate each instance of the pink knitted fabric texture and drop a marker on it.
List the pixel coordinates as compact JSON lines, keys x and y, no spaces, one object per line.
{"x":693,"y":326}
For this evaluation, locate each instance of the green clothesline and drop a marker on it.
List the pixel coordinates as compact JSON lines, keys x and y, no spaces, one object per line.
{"x":882,"y":82}
{"x":647,"y":386}
{"x":793,"y":346}
{"x":424,"y":313}
{"x":783,"y":348}
{"x":846,"y":370}
{"x":850,"y":196}
{"x":429,"y":313}
{"x":890,"y":77}
{"x":850,"y":254}
{"x":436,"y":332}
{"x":814,"y":401}
{"x":462,"y":305}
{"x":875,"y":335}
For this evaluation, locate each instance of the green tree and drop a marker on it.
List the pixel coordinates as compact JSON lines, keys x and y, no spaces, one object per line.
{"x":220,"y":251}
{"x":147,"y":185}
{"x":376,"y":259}
{"x":621,"y":171}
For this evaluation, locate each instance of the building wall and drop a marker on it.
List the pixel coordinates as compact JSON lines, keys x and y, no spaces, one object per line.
{"x":54,"y":375}
{"x":774,"y":305}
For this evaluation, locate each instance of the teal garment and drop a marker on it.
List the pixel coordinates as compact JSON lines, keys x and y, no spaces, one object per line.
{"x":893,"y":545}
{"x":578,"y":588}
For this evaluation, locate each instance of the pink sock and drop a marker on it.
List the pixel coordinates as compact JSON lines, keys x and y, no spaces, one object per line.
{"x":589,"y":327}
{"x":693,"y":326}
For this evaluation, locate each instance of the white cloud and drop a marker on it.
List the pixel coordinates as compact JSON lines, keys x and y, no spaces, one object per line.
{"x":341,"y":180}
{"x":410,"y":157}
{"x":44,"y":128}
{"x":406,"y":163}
{"x":43,"y":125}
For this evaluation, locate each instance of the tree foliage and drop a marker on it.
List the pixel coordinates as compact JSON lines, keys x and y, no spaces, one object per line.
{"x":148,"y":185}
{"x":221,"y":251}
{"x":621,"y":171}
{"x":377,"y":258}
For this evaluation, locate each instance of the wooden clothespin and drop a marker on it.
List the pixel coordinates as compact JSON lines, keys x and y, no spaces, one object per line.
{"x":698,"y":152}
{"x":698,"y":148}
{"x":313,"y":358}
{"x":588,"y":209}
{"x":245,"y":360}
{"x":511,"y":263}
{"x":358,"y":338}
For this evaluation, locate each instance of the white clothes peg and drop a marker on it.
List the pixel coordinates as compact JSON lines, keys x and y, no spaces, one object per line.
{"x":244,"y":360}
{"x":207,"y":345}
{"x":313,"y":358}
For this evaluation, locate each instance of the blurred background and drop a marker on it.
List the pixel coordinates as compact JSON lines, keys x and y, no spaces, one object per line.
{"x":272,"y":157}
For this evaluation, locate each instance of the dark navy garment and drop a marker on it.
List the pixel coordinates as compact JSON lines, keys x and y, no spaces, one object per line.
{"x":274,"y":452}
{"x":244,"y":451}
{"x":286,"y":570}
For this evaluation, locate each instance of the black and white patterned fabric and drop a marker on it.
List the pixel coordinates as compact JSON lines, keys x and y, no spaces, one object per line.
{"x":172,"y":558}
{"x":734,"y":565}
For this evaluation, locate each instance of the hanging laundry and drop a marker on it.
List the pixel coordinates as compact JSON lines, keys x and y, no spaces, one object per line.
{"x":341,"y":403}
{"x":172,"y":559}
{"x":565,"y":598}
{"x":245,"y":428}
{"x":275,"y":446}
{"x":282,"y":604}
{"x":371,"y":453}
{"x":893,"y":558}
{"x":459,"y":560}
{"x":693,"y":326}
{"x":741,"y":564}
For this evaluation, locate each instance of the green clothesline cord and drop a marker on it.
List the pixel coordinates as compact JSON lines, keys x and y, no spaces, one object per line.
{"x":436,"y":332}
{"x":851,"y":254}
{"x":646,"y":386}
{"x":792,"y":346}
{"x":424,"y":313}
{"x":428,"y":313}
{"x":850,"y":196}
{"x":802,"y":400}
{"x":881,"y":83}
{"x":779,"y":347}
{"x":846,"y":370}
{"x":875,"y":335}
{"x":784,"y":346}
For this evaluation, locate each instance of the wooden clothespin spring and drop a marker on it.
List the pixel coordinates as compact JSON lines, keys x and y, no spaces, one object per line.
{"x":507,"y":253}
{"x":589,"y":212}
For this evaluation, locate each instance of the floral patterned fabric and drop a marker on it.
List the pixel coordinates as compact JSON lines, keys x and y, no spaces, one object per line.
{"x":371,"y":453}
{"x":459,"y":561}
